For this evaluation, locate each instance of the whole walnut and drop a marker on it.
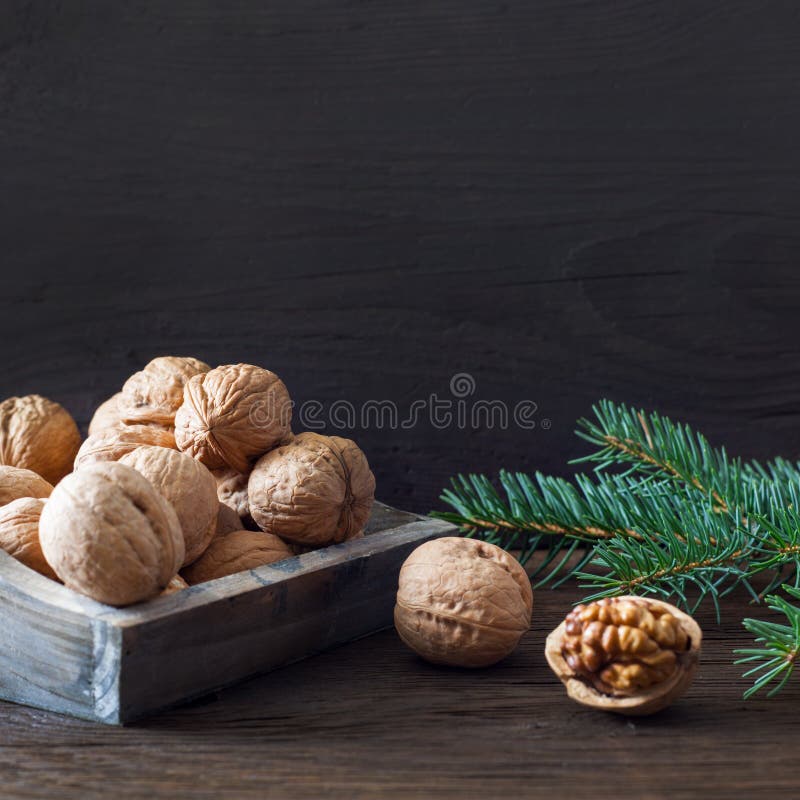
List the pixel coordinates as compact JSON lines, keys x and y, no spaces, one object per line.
{"x":154,"y":394}
{"x":236,"y":552}
{"x":188,"y":486}
{"x":462,"y":602}
{"x":110,"y":535}
{"x":19,"y":534}
{"x":107,"y":415}
{"x":112,"y":444}
{"x":16,"y":483}
{"x":232,"y":492}
{"x":314,"y":491}
{"x":631,"y":655}
{"x":228,"y":521}
{"x":39,"y":435}
{"x":232,"y":415}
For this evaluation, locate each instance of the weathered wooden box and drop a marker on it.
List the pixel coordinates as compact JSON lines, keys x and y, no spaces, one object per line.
{"x":63,"y":652}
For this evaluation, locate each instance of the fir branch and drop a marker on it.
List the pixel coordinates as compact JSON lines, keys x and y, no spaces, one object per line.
{"x":774,"y":511}
{"x":776,"y":659}
{"x":698,"y":553}
{"x":653,"y":444}
{"x":672,"y":535}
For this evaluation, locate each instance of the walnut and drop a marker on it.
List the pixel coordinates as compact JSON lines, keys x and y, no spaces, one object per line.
{"x":236,"y":552}
{"x":39,"y":435}
{"x":631,"y":655}
{"x":112,"y":444}
{"x":232,"y":491}
{"x":188,"y":486}
{"x":110,"y":535}
{"x":314,"y":491}
{"x":156,"y":393}
{"x":19,"y":534}
{"x":227,"y":521}
{"x":462,"y":602}
{"x":106,"y":416}
{"x":16,"y":483}
{"x":232,"y":415}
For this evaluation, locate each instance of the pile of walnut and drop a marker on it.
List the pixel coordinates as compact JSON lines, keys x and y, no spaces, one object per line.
{"x":188,"y":474}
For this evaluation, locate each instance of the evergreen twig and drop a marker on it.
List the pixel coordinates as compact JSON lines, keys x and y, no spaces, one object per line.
{"x":776,"y":659}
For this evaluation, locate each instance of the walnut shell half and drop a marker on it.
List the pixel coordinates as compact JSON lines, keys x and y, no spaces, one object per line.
{"x":19,"y":534}
{"x":16,"y":483}
{"x":232,"y":415}
{"x":110,"y":535}
{"x":153,"y":395}
{"x":39,"y":435}
{"x":188,"y":486}
{"x":236,"y":552}
{"x":630,"y":655}
{"x":315,"y":491}
{"x":462,"y":602}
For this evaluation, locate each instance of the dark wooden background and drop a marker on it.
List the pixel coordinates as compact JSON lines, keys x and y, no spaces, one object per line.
{"x":565,"y":199}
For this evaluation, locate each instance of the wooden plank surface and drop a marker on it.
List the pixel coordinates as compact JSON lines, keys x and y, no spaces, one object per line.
{"x":370,"y":720}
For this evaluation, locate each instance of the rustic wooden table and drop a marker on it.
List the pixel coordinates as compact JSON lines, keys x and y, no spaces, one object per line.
{"x":370,"y":720}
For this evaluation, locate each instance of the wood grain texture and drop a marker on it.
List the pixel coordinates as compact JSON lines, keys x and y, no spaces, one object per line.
{"x":564,"y":199}
{"x":371,"y":720}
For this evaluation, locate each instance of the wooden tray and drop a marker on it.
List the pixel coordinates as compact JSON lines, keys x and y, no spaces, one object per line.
{"x":63,"y":652}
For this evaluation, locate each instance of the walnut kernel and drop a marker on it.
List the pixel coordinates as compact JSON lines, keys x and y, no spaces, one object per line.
{"x":633,"y":655}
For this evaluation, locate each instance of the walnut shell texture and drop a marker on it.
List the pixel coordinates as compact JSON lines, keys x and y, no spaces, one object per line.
{"x":19,"y":534}
{"x":106,"y":416}
{"x":315,"y":491}
{"x":188,"y":486}
{"x":231,"y":415}
{"x":462,"y":602}
{"x":16,"y":483}
{"x":153,"y":395}
{"x":39,"y":435}
{"x":228,"y":521}
{"x":112,"y":444}
{"x":110,"y":535}
{"x":232,"y":491}
{"x":630,"y":655}
{"x":236,"y":552}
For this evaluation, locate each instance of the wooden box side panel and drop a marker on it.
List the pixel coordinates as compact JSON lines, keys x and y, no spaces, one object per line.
{"x":53,"y":656}
{"x":285,"y":614}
